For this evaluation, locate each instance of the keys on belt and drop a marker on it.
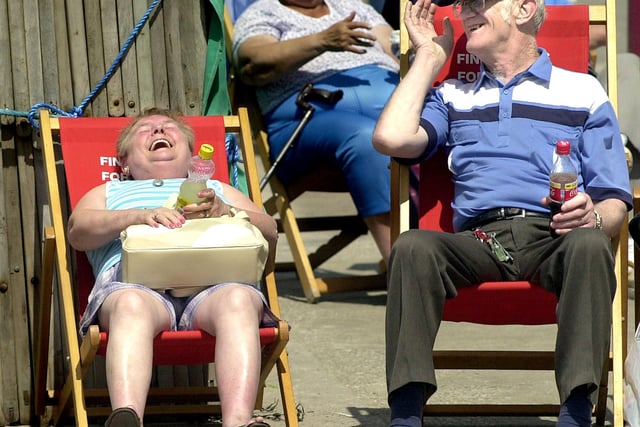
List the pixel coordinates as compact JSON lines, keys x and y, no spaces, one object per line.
{"x":496,"y":247}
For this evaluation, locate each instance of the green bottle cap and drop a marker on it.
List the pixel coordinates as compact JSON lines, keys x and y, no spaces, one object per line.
{"x":206,"y":151}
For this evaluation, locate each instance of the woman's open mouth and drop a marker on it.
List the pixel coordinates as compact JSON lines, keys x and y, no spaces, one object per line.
{"x":160,"y":143}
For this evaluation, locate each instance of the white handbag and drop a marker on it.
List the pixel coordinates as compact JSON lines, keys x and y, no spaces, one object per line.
{"x":201,"y":253}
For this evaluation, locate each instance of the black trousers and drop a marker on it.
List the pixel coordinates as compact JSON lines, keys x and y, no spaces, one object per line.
{"x":427,"y":267}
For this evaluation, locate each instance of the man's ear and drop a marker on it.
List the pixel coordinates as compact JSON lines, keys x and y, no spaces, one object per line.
{"x":525,"y":11}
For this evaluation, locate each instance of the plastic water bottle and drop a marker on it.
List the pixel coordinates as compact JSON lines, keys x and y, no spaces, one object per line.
{"x":563,"y":180}
{"x":201,"y":167}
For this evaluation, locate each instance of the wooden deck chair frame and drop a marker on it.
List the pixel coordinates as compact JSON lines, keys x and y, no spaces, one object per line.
{"x":72,"y":397}
{"x":346,"y":228}
{"x":636,"y":261}
{"x":530,"y":360}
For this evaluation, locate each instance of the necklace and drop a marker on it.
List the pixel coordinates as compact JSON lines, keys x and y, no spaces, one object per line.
{"x":158,"y":182}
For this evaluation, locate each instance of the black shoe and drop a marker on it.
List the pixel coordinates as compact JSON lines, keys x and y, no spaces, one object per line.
{"x":123,"y":417}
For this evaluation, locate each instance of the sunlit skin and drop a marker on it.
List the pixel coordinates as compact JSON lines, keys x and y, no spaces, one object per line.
{"x":168,"y":160}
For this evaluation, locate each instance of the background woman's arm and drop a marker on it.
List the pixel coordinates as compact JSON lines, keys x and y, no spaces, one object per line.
{"x":264,"y":59}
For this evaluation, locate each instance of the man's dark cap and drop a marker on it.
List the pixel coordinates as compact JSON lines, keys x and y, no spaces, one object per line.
{"x":443,"y":2}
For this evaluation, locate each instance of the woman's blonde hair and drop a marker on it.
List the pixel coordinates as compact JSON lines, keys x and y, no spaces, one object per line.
{"x":122,"y":145}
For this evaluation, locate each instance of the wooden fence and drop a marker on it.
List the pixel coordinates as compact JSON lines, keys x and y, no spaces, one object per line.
{"x":56,"y":51}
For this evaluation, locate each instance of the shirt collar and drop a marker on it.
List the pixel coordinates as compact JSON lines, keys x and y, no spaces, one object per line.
{"x":540,"y":69}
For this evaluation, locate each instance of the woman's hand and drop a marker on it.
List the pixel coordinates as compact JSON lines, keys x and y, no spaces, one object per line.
{"x":211,"y":207}
{"x":345,"y":35}
{"x":170,"y":218}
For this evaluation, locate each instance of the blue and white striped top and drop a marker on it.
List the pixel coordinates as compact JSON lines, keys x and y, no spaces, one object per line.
{"x":500,"y":137}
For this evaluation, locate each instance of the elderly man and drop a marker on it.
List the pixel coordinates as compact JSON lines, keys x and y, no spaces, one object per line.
{"x":499,"y":133}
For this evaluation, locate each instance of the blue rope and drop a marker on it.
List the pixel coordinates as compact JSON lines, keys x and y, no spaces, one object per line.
{"x":79,"y":110}
{"x":233,"y":157}
{"x":9,"y":112}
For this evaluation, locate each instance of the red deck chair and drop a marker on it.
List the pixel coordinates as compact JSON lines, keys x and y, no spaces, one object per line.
{"x":565,"y":34}
{"x":88,"y":150}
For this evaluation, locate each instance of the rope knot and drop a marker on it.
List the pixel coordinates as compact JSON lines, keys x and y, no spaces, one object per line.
{"x":75,"y":112}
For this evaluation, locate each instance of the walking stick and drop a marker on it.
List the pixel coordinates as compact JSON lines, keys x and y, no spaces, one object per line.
{"x":308,"y":93}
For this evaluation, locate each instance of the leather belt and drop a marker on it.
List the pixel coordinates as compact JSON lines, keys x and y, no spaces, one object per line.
{"x":501,"y":214}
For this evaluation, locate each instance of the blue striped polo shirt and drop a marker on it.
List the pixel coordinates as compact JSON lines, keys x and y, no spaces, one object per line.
{"x":500,"y":138}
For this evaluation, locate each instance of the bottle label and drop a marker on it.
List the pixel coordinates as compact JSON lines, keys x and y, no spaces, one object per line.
{"x":189,"y":193}
{"x":562,"y":191}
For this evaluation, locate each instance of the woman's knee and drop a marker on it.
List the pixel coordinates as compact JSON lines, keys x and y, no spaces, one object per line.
{"x":124,"y":305}
{"x":129,"y":302}
{"x":236,"y":298}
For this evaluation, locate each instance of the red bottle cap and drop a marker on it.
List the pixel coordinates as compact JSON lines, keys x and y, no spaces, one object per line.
{"x":563,"y":147}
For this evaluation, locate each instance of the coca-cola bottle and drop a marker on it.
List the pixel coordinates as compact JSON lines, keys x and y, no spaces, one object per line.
{"x":563,"y":179}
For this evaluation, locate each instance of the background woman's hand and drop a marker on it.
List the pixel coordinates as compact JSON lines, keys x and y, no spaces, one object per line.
{"x":346,"y":35}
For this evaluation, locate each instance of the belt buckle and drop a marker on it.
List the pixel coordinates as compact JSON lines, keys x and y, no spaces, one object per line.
{"x":513,"y":213}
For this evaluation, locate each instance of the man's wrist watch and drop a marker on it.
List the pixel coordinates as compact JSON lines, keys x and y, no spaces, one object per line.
{"x":598,"y":219}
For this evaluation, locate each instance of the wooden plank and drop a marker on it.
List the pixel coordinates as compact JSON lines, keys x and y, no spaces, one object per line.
{"x":22,"y":259}
{"x":111,"y":48}
{"x":59,"y":354}
{"x":9,"y":405}
{"x":78,"y":53}
{"x":97,"y":69}
{"x":18,"y":57}
{"x":143,"y":59}
{"x":6,"y":89}
{"x":198,"y":375}
{"x":41,"y":291}
{"x":33,"y":52}
{"x":50,"y":85}
{"x":62,"y":53}
{"x":159,"y":59}
{"x":128,"y":66}
{"x":175,"y":73}
{"x":193,"y":47}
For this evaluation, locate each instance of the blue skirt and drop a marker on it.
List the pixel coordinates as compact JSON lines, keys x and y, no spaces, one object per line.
{"x":340,"y":135}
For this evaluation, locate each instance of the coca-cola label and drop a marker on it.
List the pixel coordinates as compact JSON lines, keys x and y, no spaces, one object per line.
{"x":562,"y":191}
